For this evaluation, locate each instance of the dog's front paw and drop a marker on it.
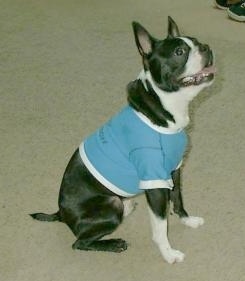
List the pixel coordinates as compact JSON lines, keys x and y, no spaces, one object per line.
{"x":172,"y":256}
{"x":193,"y":222}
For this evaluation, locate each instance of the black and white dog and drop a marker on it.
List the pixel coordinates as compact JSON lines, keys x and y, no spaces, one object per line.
{"x":138,"y":150}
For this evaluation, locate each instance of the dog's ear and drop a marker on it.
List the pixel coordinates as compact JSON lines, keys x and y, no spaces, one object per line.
{"x":143,"y":39}
{"x":173,"y":30}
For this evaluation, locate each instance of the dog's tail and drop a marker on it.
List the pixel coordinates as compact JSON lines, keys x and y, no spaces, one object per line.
{"x":46,"y":217}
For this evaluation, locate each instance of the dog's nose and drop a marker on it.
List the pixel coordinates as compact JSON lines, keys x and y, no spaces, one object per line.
{"x":203,"y":48}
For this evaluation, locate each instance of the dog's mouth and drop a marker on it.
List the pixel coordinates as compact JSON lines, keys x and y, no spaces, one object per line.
{"x":205,"y":75}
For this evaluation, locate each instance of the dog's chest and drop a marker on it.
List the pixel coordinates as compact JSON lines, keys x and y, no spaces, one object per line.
{"x":177,"y":105}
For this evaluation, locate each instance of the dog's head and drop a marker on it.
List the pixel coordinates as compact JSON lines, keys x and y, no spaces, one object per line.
{"x":175,"y":62}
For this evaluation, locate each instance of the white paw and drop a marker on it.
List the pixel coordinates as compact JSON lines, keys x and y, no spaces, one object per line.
{"x":173,"y":256}
{"x":193,"y":222}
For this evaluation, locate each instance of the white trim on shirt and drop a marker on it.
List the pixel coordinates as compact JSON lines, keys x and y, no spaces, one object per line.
{"x":153,"y":184}
{"x":143,"y":185}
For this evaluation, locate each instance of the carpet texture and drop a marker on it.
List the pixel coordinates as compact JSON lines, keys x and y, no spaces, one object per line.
{"x":64,"y":69}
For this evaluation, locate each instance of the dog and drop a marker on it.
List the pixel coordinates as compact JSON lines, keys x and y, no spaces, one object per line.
{"x":140,"y":150}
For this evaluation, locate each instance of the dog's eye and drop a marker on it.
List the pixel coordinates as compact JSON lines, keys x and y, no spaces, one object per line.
{"x":179,"y":52}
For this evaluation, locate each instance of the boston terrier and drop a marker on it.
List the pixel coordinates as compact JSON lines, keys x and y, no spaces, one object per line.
{"x":139,"y":150}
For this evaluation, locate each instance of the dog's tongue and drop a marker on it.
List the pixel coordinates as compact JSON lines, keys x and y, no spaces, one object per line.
{"x":206,"y":70}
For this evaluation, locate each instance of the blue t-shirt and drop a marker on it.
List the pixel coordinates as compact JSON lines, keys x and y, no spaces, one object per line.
{"x":127,"y":155}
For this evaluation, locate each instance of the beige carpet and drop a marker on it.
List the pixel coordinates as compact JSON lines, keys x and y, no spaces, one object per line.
{"x":64,"y":69}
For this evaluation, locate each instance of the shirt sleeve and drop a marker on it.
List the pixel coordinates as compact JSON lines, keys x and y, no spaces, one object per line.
{"x":150,"y":166}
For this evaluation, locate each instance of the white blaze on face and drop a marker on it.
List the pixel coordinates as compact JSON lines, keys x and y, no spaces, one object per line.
{"x":195,"y":60}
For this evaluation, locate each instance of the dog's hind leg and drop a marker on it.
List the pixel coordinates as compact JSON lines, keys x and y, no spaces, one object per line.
{"x":99,"y":217}
{"x":108,"y":245}
{"x":176,"y":198}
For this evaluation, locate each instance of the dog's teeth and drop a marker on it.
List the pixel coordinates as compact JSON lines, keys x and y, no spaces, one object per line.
{"x":195,"y":79}
{"x":198,"y":79}
{"x":188,"y":79}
